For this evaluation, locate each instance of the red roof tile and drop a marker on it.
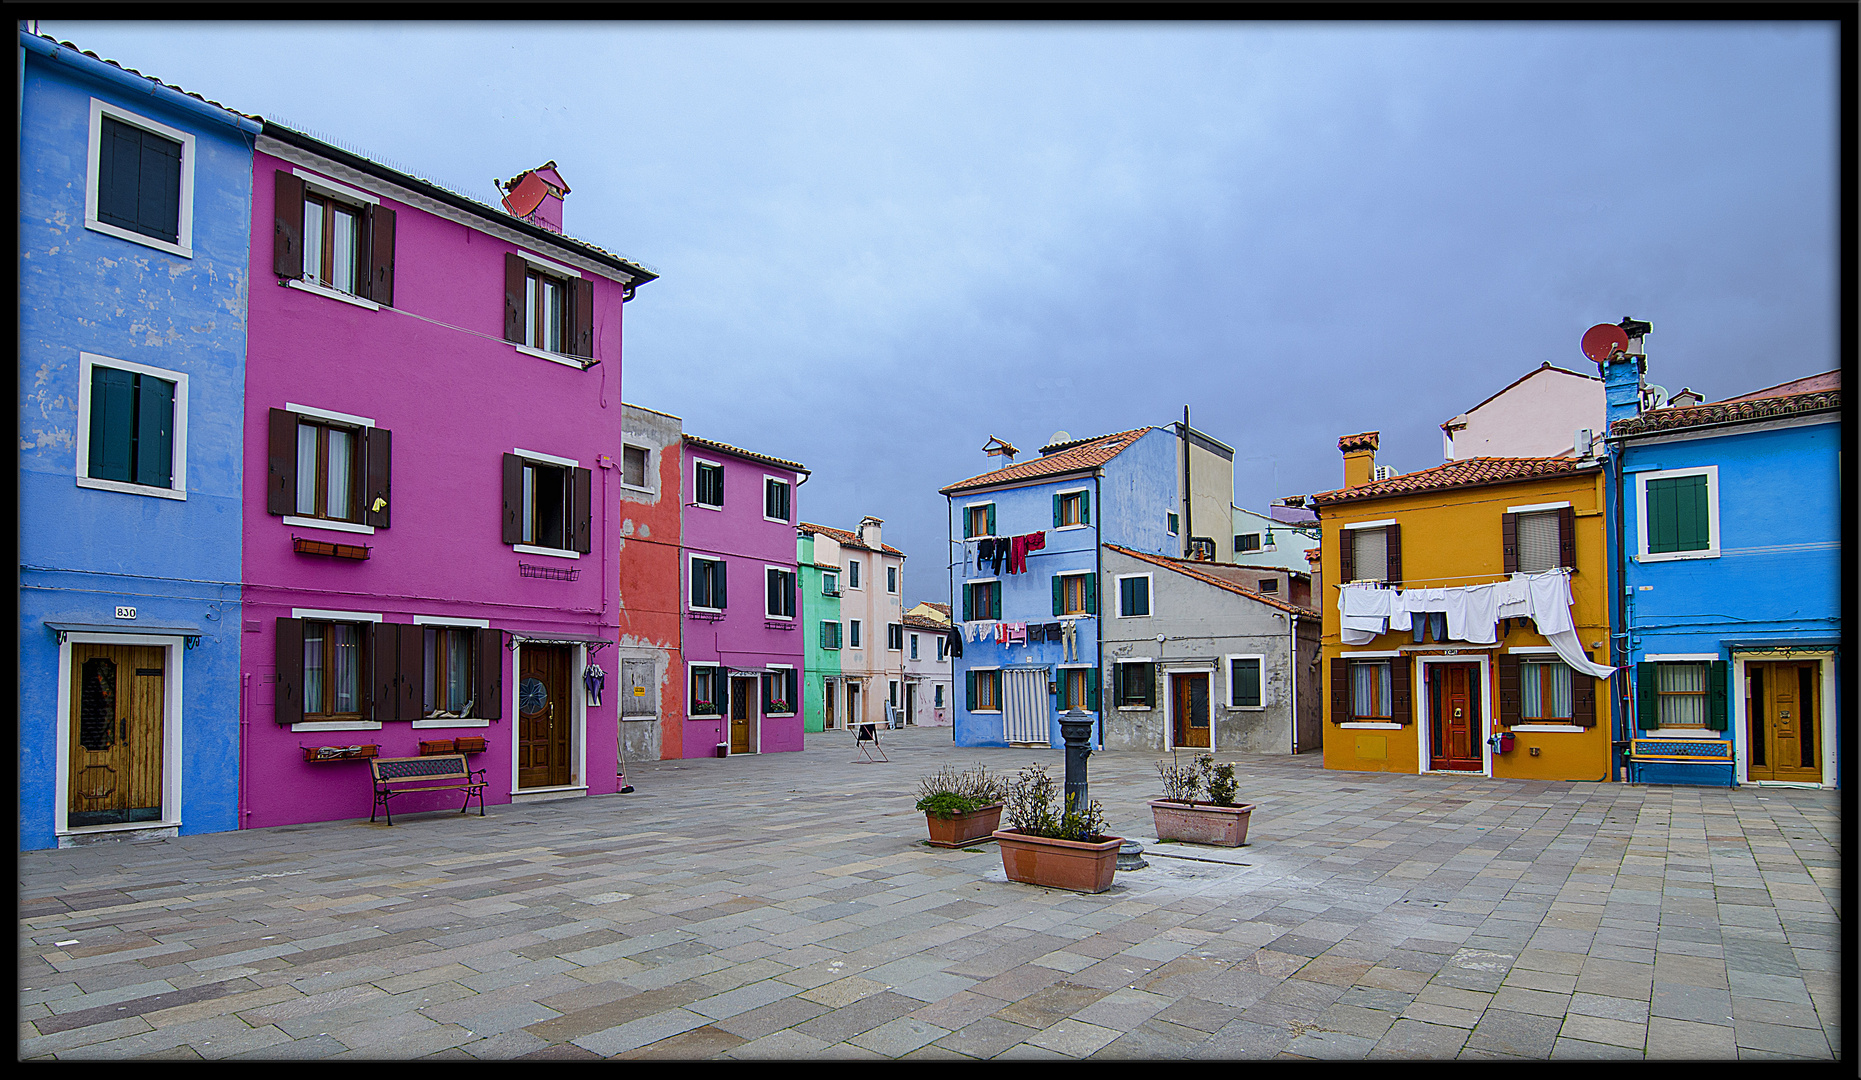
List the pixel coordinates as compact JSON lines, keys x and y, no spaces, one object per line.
{"x":1468,"y":472}
{"x":1738,"y":410}
{"x":848,"y":539}
{"x":1087,"y":454}
{"x":1190,"y":568}
{"x":1828,"y":380}
{"x":726,"y":448}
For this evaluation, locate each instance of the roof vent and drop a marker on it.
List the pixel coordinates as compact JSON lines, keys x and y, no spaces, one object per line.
{"x":1383,"y":472}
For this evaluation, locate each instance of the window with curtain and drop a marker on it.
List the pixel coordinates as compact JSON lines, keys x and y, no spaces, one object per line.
{"x":1370,"y":690}
{"x":448,"y":671}
{"x":1544,"y":691}
{"x":1369,"y":554}
{"x":332,"y":243}
{"x":329,"y":478}
{"x":332,"y":671}
{"x":1682,"y":689}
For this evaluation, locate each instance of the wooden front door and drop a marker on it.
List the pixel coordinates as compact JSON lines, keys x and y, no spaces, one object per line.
{"x":829,"y":702}
{"x":742,"y":715}
{"x":1783,"y":735}
{"x":911,"y":703}
{"x":1191,"y":694}
{"x":545,"y":717}
{"x":1454,"y":728}
{"x":117,"y":698}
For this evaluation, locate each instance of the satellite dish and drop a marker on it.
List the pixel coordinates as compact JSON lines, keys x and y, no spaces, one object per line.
{"x":1058,"y":437}
{"x":1602,"y":341}
{"x":1656,"y":395}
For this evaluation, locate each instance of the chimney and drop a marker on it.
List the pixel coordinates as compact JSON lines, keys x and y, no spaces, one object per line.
{"x":536,"y":196}
{"x":1359,"y":458}
{"x":1625,"y":373}
{"x":869,"y":531}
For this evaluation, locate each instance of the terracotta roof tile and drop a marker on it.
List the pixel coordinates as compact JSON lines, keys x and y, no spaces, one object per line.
{"x":919,"y":622}
{"x":1085,"y":454}
{"x":1468,"y":472}
{"x":1189,"y":568}
{"x":848,"y":539}
{"x":1739,"y":410}
{"x":726,"y":448}
{"x":1828,"y":380}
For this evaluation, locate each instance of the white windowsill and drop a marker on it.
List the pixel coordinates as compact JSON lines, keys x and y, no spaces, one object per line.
{"x":1689,"y":733}
{"x":579,"y":363}
{"x":558,"y":553}
{"x":1136,"y":708}
{"x":137,"y":238}
{"x":707,"y":506}
{"x":778,"y":716}
{"x":337,"y":725}
{"x":636,"y":487}
{"x":333,"y":294}
{"x":133,"y":489}
{"x":1675,"y":556}
{"x":1546,"y":727}
{"x":332,"y":526}
{"x":123,"y":826}
{"x":448,"y":721}
{"x":1365,"y":724}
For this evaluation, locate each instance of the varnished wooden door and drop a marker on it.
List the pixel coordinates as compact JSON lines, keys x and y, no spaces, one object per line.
{"x":1191,"y":693}
{"x":1783,"y":725}
{"x":117,"y":699}
{"x":1454,"y":696}
{"x":829,"y":702}
{"x":545,"y":717}
{"x":742,"y":715}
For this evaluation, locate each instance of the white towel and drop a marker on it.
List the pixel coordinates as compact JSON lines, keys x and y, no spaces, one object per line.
{"x":1550,"y":603}
{"x":1479,"y":615}
{"x":1515,"y":597}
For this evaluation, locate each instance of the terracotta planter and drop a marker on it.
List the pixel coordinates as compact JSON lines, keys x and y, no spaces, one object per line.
{"x":1077,"y":865}
{"x":1201,"y":823}
{"x":956,"y":830}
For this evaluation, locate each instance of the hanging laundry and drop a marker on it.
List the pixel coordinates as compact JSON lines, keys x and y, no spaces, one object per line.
{"x":1017,"y":554}
{"x":1036,"y":541}
{"x":1051,"y":631}
{"x":1069,"y":642}
{"x":1017,"y":633}
{"x":1363,"y":611}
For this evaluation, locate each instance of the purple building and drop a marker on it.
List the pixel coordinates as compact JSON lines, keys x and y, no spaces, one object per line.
{"x":743,"y":626}
{"x":433,"y":418}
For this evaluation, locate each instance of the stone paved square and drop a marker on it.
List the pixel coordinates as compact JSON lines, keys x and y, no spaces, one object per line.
{"x":786,"y":906}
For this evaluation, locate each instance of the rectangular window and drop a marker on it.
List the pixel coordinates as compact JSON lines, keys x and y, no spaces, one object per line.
{"x":987,"y":687}
{"x":891,"y":579}
{"x":1269,"y":585}
{"x":633,"y":466}
{"x":1173,"y":525}
{"x":141,"y":177}
{"x":895,"y":637}
{"x":979,"y":520}
{"x":1544,"y":693}
{"x":545,"y":505}
{"x":1072,"y":509}
{"x":982,"y":600}
{"x":1247,"y":542}
{"x":937,"y":695}
{"x":830,"y":635}
{"x":545,"y":310}
{"x":852,"y":574}
{"x":775,"y":499}
{"x":448,"y":653}
{"x":892,"y":692}
{"x":1133,"y":596}
{"x":1679,"y":514}
{"x":1369,"y":554}
{"x":1076,"y":685}
{"x":914,"y":646}
{"x":707,"y":686}
{"x":1137,"y":682}
{"x":1073,"y":594}
{"x":333,"y":243}
{"x":780,"y":692}
{"x":332,"y":670}
{"x":329,"y":474}
{"x":1370,"y":690}
{"x":708,"y":584}
{"x":708,"y":489}
{"x":781,"y":594}
{"x":943,"y":648}
{"x":852,"y":633}
{"x":1244,"y":682}
{"x":1683,"y":695}
{"x":830,"y":583}
{"x":1539,"y":542}
{"x":132,"y":427}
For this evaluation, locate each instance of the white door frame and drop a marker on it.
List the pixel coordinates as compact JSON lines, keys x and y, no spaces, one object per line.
{"x":752,"y":703}
{"x":578,"y":721}
{"x":174,"y":649}
{"x":1169,"y":704}
{"x":1419,"y":698}
{"x":1740,"y":752}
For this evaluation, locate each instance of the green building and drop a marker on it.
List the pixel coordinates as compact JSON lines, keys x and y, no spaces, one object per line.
{"x":823,"y":697}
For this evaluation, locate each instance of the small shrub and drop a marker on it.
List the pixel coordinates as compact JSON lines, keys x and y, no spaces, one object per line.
{"x":948,"y":792}
{"x":1031,"y":809}
{"x":1179,"y":783}
{"x":1218,"y":779}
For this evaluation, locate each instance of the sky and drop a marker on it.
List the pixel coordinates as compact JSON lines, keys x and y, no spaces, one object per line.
{"x":882,"y":243}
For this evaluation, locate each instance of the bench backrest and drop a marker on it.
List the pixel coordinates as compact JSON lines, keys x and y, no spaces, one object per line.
{"x":410,"y":769}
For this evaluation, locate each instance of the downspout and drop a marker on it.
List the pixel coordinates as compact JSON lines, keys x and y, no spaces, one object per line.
{"x":245,"y":743}
{"x":1188,"y":503}
{"x":1620,"y":722}
{"x":1292,"y":668}
{"x":956,"y":625}
{"x":1098,"y":617}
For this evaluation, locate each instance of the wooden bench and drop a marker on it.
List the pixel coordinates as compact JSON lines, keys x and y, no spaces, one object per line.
{"x":434,"y":772}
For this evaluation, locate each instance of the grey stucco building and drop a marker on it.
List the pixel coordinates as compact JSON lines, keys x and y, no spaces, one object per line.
{"x":1194,"y":660}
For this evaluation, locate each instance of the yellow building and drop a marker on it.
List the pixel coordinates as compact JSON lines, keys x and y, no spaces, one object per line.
{"x":1409,"y":701}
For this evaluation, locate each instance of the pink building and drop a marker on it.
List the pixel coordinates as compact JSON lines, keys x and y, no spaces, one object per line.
{"x":743,"y":635}
{"x":433,"y":420}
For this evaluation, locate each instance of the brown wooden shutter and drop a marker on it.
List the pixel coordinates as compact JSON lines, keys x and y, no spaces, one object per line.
{"x":1509,"y":542}
{"x":582,"y":291}
{"x":1400,"y":708}
{"x":378,"y":452}
{"x":287,"y":230}
{"x":281,"y":464}
{"x":1392,"y":539}
{"x":581,"y":511}
{"x":513,"y":499}
{"x":1340,"y":690}
{"x":289,"y":654}
{"x":384,"y":666}
{"x":410,"y":684}
{"x":1582,"y":700}
{"x":365,"y":682}
{"x":1509,"y":699}
{"x":1567,"y":536}
{"x":1347,"y":556}
{"x":515,"y":270}
{"x":381,"y":255}
{"x":488,"y":672}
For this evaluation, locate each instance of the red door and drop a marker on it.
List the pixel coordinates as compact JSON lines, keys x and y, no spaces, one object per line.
{"x":1454,"y":728}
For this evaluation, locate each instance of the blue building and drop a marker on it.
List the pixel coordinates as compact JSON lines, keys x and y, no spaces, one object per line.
{"x":1726,"y":535}
{"x":1126,"y":488}
{"x":134,"y":232}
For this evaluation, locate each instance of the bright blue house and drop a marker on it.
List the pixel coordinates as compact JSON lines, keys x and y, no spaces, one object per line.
{"x":1726,"y":534}
{"x":1030,"y":620}
{"x":134,"y":232}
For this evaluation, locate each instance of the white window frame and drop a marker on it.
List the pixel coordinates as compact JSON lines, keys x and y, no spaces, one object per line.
{"x":1150,"y":594}
{"x":767,"y":479}
{"x":537,"y":457}
{"x":184,"y":222}
{"x":793,"y":706}
{"x":888,"y":637}
{"x":1351,"y":540}
{"x":852,"y":574}
{"x":792,"y":572}
{"x":1082,"y":595}
{"x":647,"y":471}
{"x":1063,"y":493}
{"x":1172,"y":523}
{"x":853,"y":634}
{"x":326,"y":615}
{"x":1227,"y":678}
{"x":691,"y":575}
{"x":839,"y":636}
{"x":718,"y":681}
{"x":830,"y":577}
{"x":327,"y":523}
{"x":998,"y":691}
{"x":178,"y":443}
{"x":1118,"y":706}
{"x":1711,"y":473}
{"x":967,"y":507}
{"x":695,"y":462}
{"x":891,"y":579}
{"x":468,"y":624}
{"x":914,"y":647}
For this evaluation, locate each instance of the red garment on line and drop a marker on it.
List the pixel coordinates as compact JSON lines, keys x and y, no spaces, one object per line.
{"x":1017,"y":554}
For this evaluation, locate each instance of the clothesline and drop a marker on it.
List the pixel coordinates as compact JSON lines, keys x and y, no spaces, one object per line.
{"x":1407,"y":583}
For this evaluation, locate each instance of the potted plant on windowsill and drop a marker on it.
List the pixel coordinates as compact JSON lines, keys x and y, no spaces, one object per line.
{"x":1220,"y":822}
{"x":960,"y":807}
{"x":1056,"y":850}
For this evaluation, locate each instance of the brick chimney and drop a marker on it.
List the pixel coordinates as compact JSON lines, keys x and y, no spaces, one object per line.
{"x":1359,"y":458}
{"x":536,"y":196}
{"x":869,"y":532}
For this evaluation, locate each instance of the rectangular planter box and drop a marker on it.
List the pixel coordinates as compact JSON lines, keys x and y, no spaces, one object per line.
{"x":1059,"y":864}
{"x":1201,"y":823}
{"x":960,"y":829}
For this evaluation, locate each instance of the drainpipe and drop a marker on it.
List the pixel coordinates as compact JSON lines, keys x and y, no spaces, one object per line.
{"x":1292,"y":669}
{"x":1621,"y":722}
{"x":1188,"y":503}
{"x":1098,"y":618}
{"x":245,"y":742}
{"x":956,"y":624}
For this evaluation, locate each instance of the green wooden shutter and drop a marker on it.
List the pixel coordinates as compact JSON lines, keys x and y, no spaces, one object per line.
{"x":1092,"y":690}
{"x":991,"y":519}
{"x":1085,"y":508}
{"x":1056,"y":512}
{"x":1648,"y":691}
{"x":1149,"y":673}
{"x":1716,"y":695}
{"x":969,"y":684}
{"x":1060,"y":701}
{"x":1059,"y":590}
{"x":112,"y":423}
{"x":1092,"y":594}
{"x":966,"y":611}
{"x":1117,"y":683}
{"x":154,"y":431}
{"x":995,"y":600}
{"x":1677,"y":514}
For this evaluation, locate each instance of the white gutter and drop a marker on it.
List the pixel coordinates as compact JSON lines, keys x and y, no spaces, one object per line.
{"x":1292,"y":666}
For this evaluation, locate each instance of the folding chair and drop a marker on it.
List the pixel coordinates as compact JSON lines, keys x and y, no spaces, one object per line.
{"x":868,"y":733}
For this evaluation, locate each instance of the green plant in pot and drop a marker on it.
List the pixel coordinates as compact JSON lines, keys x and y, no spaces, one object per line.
{"x":1054,"y":845}
{"x":961,"y":807}
{"x":1220,"y":821}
